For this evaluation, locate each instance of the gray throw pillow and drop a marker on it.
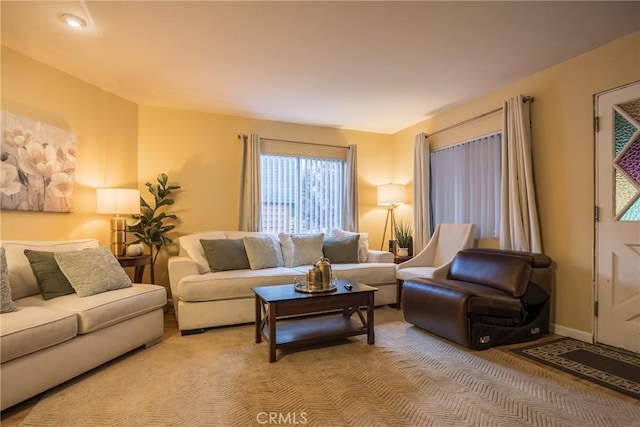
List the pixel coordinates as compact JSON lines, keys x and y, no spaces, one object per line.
{"x":341,"y":250}
{"x":50,"y":280}
{"x":6,"y":303}
{"x":225,"y":254}
{"x":92,"y":271}
{"x":261,"y":252}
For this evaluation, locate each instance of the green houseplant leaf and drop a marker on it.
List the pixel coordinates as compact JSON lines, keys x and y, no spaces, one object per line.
{"x":404,"y":232}
{"x":149,"y":227}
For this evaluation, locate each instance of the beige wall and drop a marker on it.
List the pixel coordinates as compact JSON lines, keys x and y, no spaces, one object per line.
{"x":563,"y":146}
{"x":107,"y":132}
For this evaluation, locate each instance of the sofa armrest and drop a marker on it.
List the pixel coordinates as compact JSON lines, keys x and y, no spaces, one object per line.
{"x":379,"y":256}
{"x":179,"y":267}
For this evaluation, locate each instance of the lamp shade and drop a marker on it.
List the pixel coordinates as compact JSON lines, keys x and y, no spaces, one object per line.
{"x":118,"y":201}
{"x":390,"y":194}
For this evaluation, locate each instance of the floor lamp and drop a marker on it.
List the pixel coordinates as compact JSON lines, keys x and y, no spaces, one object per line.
{"x":390,"y":195}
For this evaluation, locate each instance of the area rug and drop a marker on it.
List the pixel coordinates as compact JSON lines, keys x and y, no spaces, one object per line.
{"x":611,"y":368}
{"x":407,"y":378}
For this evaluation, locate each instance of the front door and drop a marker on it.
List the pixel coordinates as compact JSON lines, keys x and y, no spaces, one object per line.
{"x":618,"y":228}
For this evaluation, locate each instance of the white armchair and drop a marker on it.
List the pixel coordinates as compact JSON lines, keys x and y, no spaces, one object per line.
{"x":435,"y":259}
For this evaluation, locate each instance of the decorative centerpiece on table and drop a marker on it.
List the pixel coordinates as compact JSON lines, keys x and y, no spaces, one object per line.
{"x":318,"y":279}
{"x":404,"y":238}
{"x":149,"y":227}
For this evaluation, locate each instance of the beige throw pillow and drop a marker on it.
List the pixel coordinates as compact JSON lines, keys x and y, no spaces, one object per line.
{"x":261,"y":252}
{"x":92,"y":271}
{"x":301,"y":249}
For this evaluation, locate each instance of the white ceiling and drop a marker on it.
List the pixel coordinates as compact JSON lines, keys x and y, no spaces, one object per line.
{"x":364,"y":65}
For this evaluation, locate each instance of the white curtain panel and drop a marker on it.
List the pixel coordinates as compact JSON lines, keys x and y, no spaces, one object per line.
{"x":350,"y":214}
{"x":465,"y":185}
{"x":421,"y":208}
{"x":519,"y":228}
{"x":250,"y":203}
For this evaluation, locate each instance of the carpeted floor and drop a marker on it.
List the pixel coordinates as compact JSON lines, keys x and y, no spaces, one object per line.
{"x":408,"y":378}
{"x":611,"y":368}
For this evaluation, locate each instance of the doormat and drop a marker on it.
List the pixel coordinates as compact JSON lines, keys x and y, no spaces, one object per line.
{"x":618,"y":370}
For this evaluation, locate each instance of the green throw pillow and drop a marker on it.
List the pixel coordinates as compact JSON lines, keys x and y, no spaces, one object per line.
{"x":92,"y":271}
{"x":341,"y":250}
{"x":51,"y":282}
{"x":225,"y":254}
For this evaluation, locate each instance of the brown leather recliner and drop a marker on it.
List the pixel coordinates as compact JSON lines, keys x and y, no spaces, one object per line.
{"x":489,"y":297}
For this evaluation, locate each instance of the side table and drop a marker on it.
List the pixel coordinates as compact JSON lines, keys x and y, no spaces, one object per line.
{"x":138,"y":262}
{"x":398,"y":260}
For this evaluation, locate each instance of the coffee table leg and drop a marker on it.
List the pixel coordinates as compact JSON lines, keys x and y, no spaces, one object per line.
{"x":371,"y":339}
{"x":258,"y":320}
{"x":272,"y":332}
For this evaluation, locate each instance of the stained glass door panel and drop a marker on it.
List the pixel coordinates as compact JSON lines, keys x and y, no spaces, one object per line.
{"x":627,"y":160}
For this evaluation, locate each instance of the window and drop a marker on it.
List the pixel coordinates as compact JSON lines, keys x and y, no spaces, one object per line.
{"x":465,"y":185}
{"x":301,"y":194}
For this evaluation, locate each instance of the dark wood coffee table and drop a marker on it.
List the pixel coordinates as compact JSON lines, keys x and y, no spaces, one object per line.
{"x":273,"y":303}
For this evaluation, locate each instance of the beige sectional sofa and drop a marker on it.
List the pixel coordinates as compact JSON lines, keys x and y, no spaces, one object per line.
{"x":45,"y":342}
{"x":204,"y":299}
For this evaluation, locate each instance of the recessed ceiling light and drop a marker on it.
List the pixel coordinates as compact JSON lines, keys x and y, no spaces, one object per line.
{"x":73,"y":21}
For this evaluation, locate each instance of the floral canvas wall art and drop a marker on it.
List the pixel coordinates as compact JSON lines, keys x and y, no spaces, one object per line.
{"x":37,"y":165}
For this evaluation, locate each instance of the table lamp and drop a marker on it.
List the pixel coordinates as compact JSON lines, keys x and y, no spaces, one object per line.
{"x":118,"y":201}
{"x":390,"y":195}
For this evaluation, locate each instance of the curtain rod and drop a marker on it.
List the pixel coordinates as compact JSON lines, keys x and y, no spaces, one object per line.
{"x":478,"y":117}
{"x":241,"y":136}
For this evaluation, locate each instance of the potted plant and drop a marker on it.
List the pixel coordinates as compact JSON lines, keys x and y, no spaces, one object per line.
{"x":404,"y":237}
{"x":149,"y":227}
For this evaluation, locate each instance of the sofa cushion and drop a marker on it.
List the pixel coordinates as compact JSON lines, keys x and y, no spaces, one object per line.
{"x":23,"y":282}
{"x":108,"y":308}
{"x":301,"y":249}
{"x":363,"y":241}
{"x":234,"y":284}
{"x":92,"y":271}
{"x":341,"y":250}
{"x":192,"y":247}
{"x":51,"y":281}
{"x":33,"y":328}
{"x":261,"y":252}
{"x":225,"y":254}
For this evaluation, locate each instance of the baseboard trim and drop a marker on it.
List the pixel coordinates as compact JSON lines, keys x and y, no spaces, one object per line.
{"x":571,"y":333}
